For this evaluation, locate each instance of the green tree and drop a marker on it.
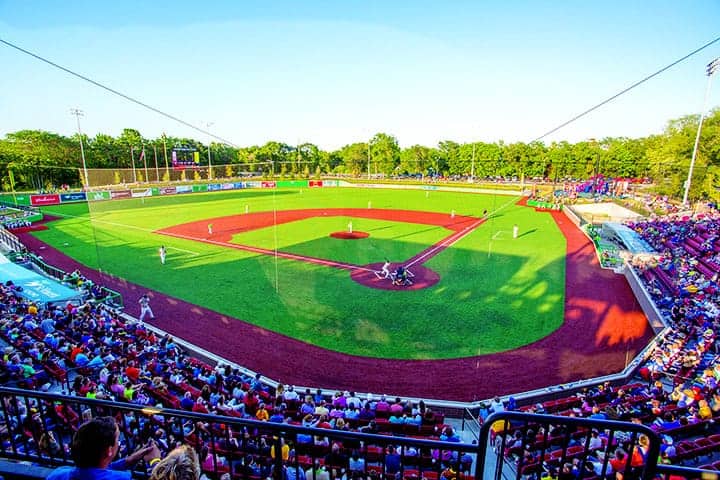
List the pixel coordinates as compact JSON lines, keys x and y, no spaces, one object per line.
{"x":40,"y":160}
{"x":384,"y":153}
{"x":416,"y":159}
{"x":354,"y":158}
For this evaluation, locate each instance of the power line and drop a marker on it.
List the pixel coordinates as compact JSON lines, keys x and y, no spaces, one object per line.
{"x":118,"y":93}
{"x":622,"y":92}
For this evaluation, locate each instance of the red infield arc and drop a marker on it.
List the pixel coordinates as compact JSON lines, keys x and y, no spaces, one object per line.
{"x":603,"y":329}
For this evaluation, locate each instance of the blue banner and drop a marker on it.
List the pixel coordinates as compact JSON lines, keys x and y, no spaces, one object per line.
{"x":73,"y":197}
{"x":35,"y":287}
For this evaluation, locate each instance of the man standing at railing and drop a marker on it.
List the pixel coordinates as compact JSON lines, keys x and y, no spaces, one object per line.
{"x":94,"y":447}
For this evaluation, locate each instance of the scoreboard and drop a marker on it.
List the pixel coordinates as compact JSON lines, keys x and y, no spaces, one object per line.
{"x":184,"y":157}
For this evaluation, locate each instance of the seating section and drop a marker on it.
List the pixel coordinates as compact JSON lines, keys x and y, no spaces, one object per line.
{"x":90,"y":350}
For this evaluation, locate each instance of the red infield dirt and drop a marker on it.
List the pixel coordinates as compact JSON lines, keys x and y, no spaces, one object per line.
{"x":603,"y":328}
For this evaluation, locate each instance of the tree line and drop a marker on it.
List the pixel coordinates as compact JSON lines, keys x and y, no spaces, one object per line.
{"x":41,"y":160}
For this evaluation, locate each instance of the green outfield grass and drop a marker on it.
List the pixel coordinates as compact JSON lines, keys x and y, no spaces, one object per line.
{"x":495,"y":293}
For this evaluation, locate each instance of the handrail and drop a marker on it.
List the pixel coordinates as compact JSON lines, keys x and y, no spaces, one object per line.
{"x":217,"y":428}
{"x":526,"y":422}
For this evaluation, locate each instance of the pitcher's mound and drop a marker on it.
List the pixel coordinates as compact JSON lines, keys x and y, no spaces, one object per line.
{"x":349,"y":236}
{"x":424,"y":277}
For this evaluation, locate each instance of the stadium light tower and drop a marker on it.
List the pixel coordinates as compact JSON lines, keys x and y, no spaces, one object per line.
{"x":712,"y":67}
{"x":207,"y":126}
{"x":79,"y":113}
{"x":369,"y":159}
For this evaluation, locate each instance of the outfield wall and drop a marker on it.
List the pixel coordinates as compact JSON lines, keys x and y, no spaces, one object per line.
{"x":439,"y":188}
{"x":45,"y":199}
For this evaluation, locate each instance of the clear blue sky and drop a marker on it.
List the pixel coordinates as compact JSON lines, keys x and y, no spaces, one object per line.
{"x":334,"y":73}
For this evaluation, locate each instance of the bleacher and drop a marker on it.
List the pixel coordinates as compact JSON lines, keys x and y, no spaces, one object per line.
{"x":168,"y":375}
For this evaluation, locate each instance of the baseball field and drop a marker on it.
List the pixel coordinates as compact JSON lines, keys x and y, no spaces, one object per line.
{"x":288,"y":283}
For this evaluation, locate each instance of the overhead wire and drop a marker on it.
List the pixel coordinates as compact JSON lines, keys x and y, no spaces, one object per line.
{"x":228,"y":142}
{"x":118,"y":93}
{"x":625,"y":90}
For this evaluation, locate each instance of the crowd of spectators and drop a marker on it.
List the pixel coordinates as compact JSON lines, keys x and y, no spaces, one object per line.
{"x":92,"y":351}
{"x":679,"y":396}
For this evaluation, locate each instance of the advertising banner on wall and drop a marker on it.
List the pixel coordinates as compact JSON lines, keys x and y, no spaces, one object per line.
{"x":121,"y":194}
{"x":38,"y":200}
{"x":16,"y":199}
{"x":73,"y":197}
{"x":145,"y":192}
{"x":98,"y":196}
{"x":292,"y":184}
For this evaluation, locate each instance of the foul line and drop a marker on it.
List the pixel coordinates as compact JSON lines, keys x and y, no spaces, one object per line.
{"x":94,"y":220}
{"x":455,"y":237}
{"x":443,"y":244}
{"x":183,"y":250}
{"x":265,"y":251}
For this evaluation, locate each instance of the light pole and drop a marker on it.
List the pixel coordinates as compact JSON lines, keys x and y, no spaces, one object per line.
{"x":132,"y":160}
{"x":369,"y":160}
{"x":210,"y":175}
{"x":79,"y":113}
{"x":167,"y":168}
{"x":712,"y":67}
{"x":472,"y":166}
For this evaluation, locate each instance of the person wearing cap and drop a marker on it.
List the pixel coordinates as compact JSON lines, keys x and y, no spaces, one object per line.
{"x":94,"y":446}
{"x":145,"y":309}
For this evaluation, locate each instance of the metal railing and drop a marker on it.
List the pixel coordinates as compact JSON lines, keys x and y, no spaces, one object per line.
{"x":233,"y":444}
{"x":521,"y":445}
{"x":10,"y":240}
{"x":37,"y":427}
